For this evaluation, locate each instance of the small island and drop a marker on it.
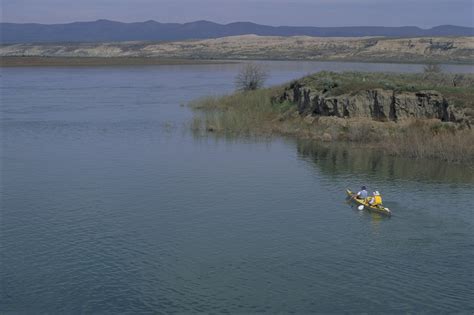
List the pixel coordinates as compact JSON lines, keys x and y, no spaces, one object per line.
{"x":423,"y":115}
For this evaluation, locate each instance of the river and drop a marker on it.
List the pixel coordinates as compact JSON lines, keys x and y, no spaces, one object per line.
{"x":109,"y":203}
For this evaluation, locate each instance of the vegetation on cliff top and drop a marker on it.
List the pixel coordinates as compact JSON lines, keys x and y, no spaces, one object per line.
{"x":254,"y":113}
{"x":457,"y":88}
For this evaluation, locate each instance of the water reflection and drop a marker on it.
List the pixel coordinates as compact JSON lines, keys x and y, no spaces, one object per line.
{"x":351,"y":160}
{"x":338,"y":159}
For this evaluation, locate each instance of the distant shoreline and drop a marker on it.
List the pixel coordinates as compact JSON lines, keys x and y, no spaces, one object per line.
{"x":17,"y":61}
{"x":448,"y":50}
{"x":40,"y":61}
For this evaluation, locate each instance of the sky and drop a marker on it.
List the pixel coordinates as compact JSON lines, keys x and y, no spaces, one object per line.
{"x":422,"y":13}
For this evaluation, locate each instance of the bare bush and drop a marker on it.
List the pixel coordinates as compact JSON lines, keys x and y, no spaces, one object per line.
{"x":251,"y":77}
{"x":431,"y":69}
{"x":457,"y":79}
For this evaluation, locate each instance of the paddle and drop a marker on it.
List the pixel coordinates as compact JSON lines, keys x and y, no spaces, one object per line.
{"x":361,"y":207}
{"x":354,"y":195}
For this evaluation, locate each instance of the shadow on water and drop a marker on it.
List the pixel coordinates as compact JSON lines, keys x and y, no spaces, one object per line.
{"x":339,"y":159}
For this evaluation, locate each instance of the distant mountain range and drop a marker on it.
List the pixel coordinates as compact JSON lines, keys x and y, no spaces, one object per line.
{"x":110,"y":31}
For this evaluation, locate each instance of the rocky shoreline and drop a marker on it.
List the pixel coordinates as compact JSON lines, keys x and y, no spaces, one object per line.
{"x":375,"y":104}
{"x":383,"y":97}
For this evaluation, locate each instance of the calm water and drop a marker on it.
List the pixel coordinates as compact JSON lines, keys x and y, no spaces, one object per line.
{"x":110,"y":204}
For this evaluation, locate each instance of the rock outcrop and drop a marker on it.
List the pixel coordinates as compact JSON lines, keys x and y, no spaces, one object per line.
{"x":376,"y":104}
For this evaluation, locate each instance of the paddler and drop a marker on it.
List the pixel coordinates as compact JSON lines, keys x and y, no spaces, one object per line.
{"x":376,"y":199}
{"x":362,"y":194}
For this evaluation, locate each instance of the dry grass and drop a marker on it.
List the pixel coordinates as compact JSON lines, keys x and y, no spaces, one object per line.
{"x":432,"y":139}
{"x":239,"y":113}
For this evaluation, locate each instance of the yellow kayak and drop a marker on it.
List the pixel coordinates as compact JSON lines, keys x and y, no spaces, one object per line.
{"x":379,"y":208}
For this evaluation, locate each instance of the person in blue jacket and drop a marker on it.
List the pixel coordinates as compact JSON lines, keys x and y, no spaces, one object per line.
{"x":362,"y":194}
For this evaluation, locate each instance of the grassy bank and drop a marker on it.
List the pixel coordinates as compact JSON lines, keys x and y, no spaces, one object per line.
{"x":254,"y":113}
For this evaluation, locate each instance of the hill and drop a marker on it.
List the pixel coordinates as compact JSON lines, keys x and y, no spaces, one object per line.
{"x":419,"y":49}
{"x":110,"y":31}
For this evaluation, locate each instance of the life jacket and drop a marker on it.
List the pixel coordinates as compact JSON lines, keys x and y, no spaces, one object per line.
{"x":377,"y":200}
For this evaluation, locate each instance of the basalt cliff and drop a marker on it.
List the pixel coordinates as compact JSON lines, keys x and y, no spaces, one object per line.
{"x":376,"y":103}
